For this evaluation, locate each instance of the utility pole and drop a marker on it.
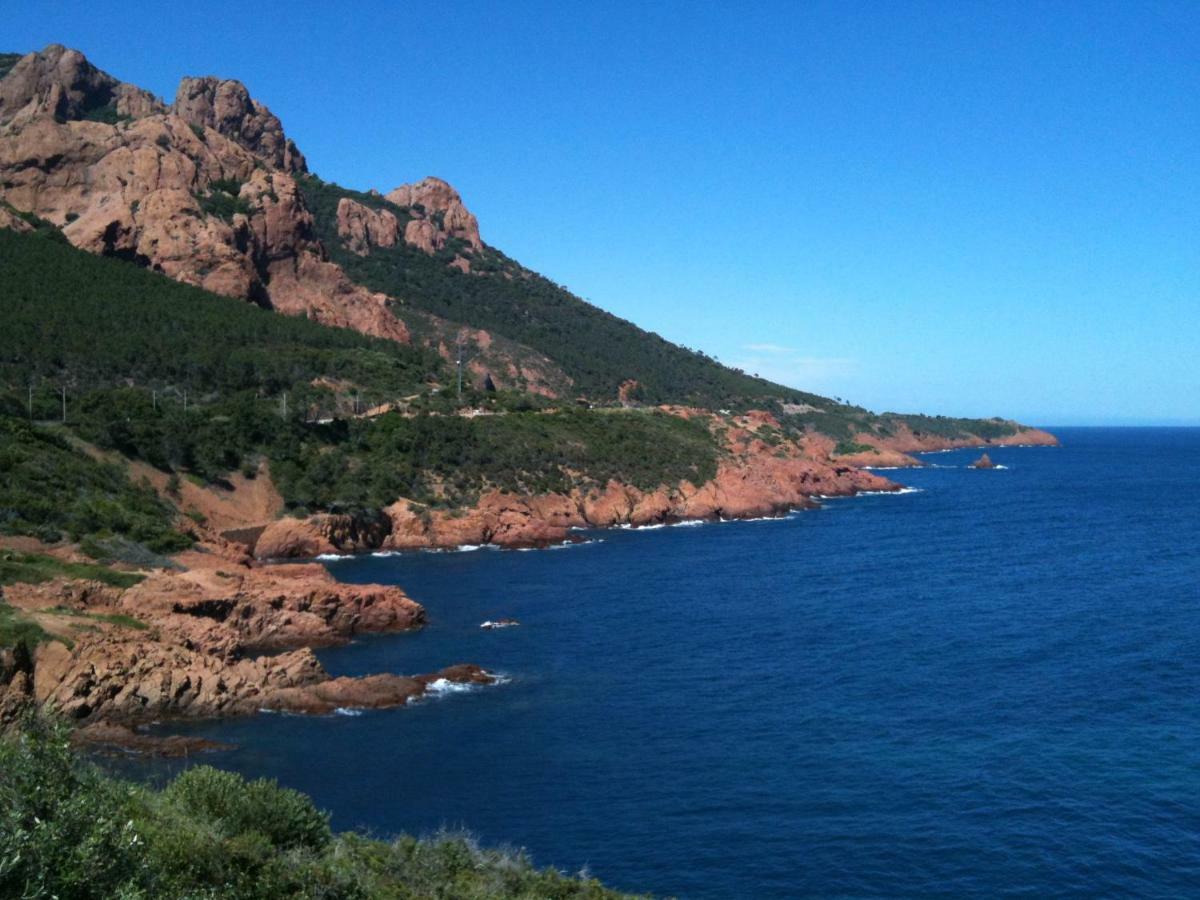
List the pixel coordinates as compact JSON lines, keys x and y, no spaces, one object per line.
{"x":283,"y":407}
{"x":64,"y":403}
{"x":31,"y":400}
{"x":154,"y":400}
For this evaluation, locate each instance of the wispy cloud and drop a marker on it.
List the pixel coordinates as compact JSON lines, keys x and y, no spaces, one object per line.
{"x":768,"y":348}
{"x":788,"y":365}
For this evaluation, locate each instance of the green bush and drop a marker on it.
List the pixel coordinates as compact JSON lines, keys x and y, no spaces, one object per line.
{"x":47,"y":487}
{"x":68,"y":831}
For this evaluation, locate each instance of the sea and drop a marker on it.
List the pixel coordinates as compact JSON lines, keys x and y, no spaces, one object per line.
{"x":988,"y":685}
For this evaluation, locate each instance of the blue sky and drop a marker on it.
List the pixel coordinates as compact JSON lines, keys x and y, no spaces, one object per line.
{"x":965,"y":208}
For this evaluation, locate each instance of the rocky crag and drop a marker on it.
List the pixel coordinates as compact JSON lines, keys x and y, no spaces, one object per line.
{"x":217,"y":638}
{"x":204,"y":190}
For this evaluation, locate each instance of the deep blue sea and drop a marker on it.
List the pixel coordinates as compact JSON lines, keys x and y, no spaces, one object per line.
{"x":987,"y":687}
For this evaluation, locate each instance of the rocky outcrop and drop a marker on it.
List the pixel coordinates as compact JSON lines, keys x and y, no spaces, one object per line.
{"x":362,"y":228}
{"x":138,"y":188}
{"x":188,"y":644}
{"x":905,"y":440}
{"x":438,"y":214}
{"x":291,"y":538}
{"x":984,"y":462}
{"x":131,"y":681}
{"x":227,"y":107}
{"x":61,"y":84}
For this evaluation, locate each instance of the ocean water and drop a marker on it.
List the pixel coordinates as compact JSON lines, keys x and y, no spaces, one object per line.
{"x":990,"y":686}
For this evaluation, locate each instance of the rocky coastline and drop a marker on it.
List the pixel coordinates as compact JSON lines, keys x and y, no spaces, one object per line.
{"x":219,"y":636}
{"x":757,"y":480}
{"x":230,"y":627}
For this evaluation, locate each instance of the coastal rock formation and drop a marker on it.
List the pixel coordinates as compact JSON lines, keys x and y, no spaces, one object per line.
{"x":188,"y":644}
{"x":984,"y":462}
{"x":756,"y":480}
{"x":905,"y":440}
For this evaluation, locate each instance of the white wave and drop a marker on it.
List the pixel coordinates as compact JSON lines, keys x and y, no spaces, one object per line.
{"x":327,"y":557}
{"x":347,"y":711}
{"x":1000,"y":467}
{"x":443,"y":686}
{"x":384,"y":554}
{"x":565,"y":544}
{"x":903,"y":490}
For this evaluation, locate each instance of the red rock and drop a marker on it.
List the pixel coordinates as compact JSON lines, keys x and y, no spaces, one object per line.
{"x":440,"y":209}
{"x":227,"y":107}
{"x":362,"y":228}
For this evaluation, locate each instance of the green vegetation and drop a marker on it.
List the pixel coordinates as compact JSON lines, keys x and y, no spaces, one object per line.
{"x":106,"y":324}
{"x":222,"y":199}
{"x":94,"y":322}
{"x":34,"y":568}
{"x":69,"y":831}
{"x":597,"y":349}
{"x":948,"y":427}
{"x":847,"y":448}
{"x":450,"y":459}
{"x":43,"y":227}
{"x":18,"y":631}
{"x":200,"y":385}
{"x":105,"y":112}
{"x":48,"y":489}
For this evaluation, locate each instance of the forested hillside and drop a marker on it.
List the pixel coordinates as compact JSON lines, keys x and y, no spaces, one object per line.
{"x":198,"y":384}
{"x":597,"y":349}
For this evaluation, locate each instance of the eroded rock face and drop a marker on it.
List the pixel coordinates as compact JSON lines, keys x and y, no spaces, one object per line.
{"x":61,"y":84}
{"x":136,"y":188}
{"x":438,"y":215}
{"x":227,"y":107}
{"x":235,"y":611}
{"x":196,"y":651}
{"x":362,"y":228}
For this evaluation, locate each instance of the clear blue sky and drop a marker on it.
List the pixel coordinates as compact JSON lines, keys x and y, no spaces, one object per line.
{"x":967,"y":208}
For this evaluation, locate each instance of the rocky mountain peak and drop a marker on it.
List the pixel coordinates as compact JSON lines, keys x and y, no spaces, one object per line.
{"x":227,"y":107}
{"x":60,"y":83}
{"x":438,"y":214}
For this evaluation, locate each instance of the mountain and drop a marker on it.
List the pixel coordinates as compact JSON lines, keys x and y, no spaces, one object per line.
{"x":210,"y":191}
{"x":211,"y":221}
{"x":212,"y":357}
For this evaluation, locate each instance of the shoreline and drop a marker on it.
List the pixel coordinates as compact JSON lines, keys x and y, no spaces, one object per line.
{"x":232,"y":634}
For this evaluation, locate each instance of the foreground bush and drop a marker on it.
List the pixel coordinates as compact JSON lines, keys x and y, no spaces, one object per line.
{"x":69,"y":831}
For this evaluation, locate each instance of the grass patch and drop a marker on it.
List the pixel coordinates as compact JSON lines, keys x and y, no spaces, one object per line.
{"x":16,"y":629}
{"x":119,"y":619}
{"x":35,"y":568}
{"x":848,"y":448}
